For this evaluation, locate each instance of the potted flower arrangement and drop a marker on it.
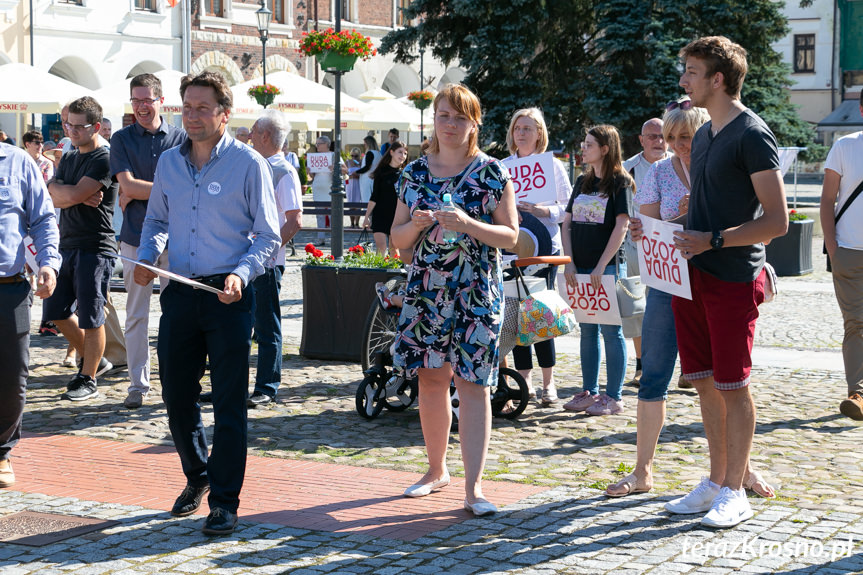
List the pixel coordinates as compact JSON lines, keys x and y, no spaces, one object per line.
{"x":337,"y":51}
{"x":337,"y":297}
{"x":264,"y":93}
{"x":791,"y":254}
{"x":422,"y":99}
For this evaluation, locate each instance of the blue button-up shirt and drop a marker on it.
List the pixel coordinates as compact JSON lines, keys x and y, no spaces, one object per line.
{"x":221,"y":219}
{"x":25,"y":208}
{"x":137,"y":151}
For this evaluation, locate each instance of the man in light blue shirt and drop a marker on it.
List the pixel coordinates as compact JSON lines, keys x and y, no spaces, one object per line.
{"x":212,"y":196}
{"x":25,"y":208}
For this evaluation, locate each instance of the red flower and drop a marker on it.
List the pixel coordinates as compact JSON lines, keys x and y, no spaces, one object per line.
{"x":793,"y":211}
{"x":310,"y":248}
{"x":330,"y":257}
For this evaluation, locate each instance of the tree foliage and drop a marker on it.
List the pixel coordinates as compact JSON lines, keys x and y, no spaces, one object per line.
{"x":596,"y":61}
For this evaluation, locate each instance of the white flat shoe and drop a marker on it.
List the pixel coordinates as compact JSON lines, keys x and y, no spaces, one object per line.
{"x":480,"y":508}
{"x":423,"y":489}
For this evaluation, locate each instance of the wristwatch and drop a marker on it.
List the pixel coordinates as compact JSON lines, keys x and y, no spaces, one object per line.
{"x":717,"y":241}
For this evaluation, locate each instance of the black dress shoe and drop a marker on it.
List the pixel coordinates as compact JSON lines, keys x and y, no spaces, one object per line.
{"x":220,"y":522}
{"x":259,"y":399}
{"x":206,"y":397}
{"x":189,"y":500}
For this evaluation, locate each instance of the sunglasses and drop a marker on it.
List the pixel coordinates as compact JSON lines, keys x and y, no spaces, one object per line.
{"x":684,"y":104}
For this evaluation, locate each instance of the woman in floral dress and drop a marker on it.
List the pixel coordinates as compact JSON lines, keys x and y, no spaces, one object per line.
{"x":452,"y":312}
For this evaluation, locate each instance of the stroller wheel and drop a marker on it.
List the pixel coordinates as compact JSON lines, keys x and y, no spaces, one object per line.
{"x":399,"y":393}
{"x":371,"y":394}
{"x":511,"y":397}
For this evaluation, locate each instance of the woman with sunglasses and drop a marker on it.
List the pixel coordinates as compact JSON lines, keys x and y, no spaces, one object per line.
{"x":528,"y":135}
{"x":451,"y":316}
{"x":664,"y":194}
{"x":33,"y":142}
{"x":593,"y":232}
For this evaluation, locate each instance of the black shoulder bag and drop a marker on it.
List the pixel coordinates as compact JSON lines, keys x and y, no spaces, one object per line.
{"x":845,"y":206}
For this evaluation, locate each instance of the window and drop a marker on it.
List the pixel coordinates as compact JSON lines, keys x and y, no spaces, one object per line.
{"x":146,"y":5}
{"x":347,"y":14}
{"x":401,"y":6}
{"x":75,"y":2}
{"x":213,"y":7}
{"x":804,"y":53}
{"x":279,"y":13}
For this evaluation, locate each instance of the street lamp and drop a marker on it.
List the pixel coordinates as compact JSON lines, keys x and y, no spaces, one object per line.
{"x":264,"y":17}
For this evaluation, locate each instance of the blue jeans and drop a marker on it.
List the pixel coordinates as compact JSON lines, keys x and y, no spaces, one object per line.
{"x":193,"y":326}
{"x":658,"y":347}
{"x":268,"y":330}
{"x":615,"y":350}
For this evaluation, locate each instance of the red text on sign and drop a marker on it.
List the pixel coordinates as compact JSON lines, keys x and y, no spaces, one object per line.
{"x":661,"y":259}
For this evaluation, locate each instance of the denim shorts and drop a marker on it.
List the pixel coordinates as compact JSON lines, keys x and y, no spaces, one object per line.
{"x":84,"y":278}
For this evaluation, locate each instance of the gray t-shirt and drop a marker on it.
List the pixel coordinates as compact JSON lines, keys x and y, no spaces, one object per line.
{"x":722,"y":194}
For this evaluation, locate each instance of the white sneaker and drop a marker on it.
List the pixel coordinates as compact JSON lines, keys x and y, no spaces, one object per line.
{"x":729,"y":508}
{"x":698,"y":500}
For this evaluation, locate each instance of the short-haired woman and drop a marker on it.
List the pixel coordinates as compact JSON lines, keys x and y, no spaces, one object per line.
{"x":528,"y":135}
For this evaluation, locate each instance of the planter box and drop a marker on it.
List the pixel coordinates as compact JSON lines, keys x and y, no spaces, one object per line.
{"x":791,"y":254}
{"x":336,"y":302}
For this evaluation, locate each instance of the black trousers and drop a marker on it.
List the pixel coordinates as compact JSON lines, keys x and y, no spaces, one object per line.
{"x":193,"y":326}
{"x":15,"y":302}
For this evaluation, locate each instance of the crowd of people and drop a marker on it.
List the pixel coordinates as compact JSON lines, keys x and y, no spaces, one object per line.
{"x":219,"y":210}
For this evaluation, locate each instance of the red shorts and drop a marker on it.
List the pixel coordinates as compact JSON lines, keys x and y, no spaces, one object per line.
{"x":715,"y":329}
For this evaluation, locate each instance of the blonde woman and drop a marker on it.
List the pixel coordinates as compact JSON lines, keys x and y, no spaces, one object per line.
{"x":528,"y":135}
{"x":452,"y":312}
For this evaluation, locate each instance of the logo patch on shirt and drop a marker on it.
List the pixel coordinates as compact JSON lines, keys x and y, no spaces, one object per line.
{"x":214,"y":188}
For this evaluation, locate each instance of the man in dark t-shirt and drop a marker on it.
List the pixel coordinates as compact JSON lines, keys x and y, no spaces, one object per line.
{"x":85,"y":192}
{"x":737,"y":203}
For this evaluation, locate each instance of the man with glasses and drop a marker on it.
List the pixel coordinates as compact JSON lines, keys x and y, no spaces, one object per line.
{"x":135,"y":151}
{"x":213,"y":199}
{"x":85,"y":192}
{"x":653,"y":149}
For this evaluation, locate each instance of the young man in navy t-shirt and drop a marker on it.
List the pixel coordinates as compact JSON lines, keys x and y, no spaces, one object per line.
{"x":737,"y":203}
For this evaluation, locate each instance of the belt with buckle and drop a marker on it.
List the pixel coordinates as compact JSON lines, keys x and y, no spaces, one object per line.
{"x":217,"y":281}
{"x":16,"y":279}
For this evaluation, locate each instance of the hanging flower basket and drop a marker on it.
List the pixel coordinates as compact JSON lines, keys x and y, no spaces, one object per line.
{"x":264,"y":94}
{"x":422,"y":99}
{"x":337,"y":51}
{"x":333,"y":62}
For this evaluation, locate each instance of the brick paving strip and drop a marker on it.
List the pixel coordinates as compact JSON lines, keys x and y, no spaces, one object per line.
{"x":303,"y":494}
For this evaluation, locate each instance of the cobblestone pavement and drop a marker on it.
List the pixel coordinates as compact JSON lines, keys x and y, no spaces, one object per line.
{"x":802,"y":444}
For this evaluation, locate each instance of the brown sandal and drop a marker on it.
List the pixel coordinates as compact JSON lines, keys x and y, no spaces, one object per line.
{"x":631,"y":484}
{"x":757,"y":484}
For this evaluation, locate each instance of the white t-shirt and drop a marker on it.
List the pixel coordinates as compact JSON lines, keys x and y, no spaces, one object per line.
{"x":289,"y":196}
{"x":844,"y":159}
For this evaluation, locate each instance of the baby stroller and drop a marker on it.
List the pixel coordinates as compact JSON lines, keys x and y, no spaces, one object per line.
{"x":382,"y":388}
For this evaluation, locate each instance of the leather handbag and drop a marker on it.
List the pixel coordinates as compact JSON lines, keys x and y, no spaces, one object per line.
{"x":542,"y":315}
{"x":631,"y":298}
{"x":631,"y":294}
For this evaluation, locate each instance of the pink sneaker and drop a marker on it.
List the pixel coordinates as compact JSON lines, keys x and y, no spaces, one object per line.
{"x":605,"y":405}
{"x":580,"y":401}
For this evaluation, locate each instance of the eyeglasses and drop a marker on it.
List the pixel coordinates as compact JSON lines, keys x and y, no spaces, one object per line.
{"x":587,"y":145}
{"x":76,"y":127}
{"x":652,"y":137}
{"x":524,"y":129}
{"x":684,"y":104}
{"x":144,"y":102}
